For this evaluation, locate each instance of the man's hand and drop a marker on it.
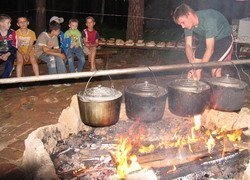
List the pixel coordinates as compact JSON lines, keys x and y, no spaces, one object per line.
{"x":194,"y":74}
{"x":197,"y":60}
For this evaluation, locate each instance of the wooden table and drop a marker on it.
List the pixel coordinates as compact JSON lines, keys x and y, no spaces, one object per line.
{"x":144,"y":47}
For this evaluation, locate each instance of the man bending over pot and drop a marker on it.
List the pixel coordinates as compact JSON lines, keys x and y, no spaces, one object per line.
{"x":213,"y":32}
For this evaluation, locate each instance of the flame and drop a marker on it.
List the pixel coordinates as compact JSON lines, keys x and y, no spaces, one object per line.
{"x":148,"y":149}
{"x":210,"y":144}
{"x":209,"y":137}
{"x":197,"y":125}
{"x":125,"y":161}
{"x":172,"y":170}
{"x":134,"y":165}
{"x":137,"y":133}
{"x":235,"y":135}
{"x":182,"y":141}
{"x":179,"y":143}
{"x":197,"y":122}
{"x":190,"y":140}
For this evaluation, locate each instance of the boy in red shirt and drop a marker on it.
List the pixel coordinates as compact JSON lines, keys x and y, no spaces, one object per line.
{"x":90,"y":41}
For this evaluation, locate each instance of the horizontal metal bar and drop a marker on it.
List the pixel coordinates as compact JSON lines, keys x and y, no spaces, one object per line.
{"x":135,"y":70}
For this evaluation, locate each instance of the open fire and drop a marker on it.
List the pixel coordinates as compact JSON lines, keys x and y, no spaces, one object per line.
{"x":99,"y":154}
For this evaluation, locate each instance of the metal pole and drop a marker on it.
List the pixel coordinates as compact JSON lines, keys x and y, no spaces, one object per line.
{"x":136,"y":70}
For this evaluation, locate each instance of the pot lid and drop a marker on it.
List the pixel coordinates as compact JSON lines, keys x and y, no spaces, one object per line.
{"x":146,"y":89}
{"x":189,"y":85}
{"x":227,"y":81}
{"x":100,"y":93}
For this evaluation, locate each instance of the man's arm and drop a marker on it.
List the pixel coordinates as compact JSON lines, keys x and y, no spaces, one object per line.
{"x":189,"y":49}
{"x":209,"y":49}
{"x":193,"y":73}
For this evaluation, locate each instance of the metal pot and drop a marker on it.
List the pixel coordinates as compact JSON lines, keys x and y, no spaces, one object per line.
{"x":228,"y":93}
{"x":145,"y":102}
{"x":188,"y":97}
{"x":99,"y":106}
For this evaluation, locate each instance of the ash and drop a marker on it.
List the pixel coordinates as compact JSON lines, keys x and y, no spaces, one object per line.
{"x":91,"y":150}
{"x":83,"y":155}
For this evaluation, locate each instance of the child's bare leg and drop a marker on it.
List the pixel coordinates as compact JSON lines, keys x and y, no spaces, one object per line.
{"x":92,"y":58}
{"x":89,"y":59}
{"x":19,"y":67}
{"x":33,"y":62}
{"x":34,"y":65}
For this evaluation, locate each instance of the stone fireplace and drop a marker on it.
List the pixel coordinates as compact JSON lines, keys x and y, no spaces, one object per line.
{"x":41,"y":143}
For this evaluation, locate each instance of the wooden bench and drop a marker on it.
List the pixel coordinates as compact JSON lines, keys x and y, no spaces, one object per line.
{"x":105,"y":53}
{"x":102,"y":53}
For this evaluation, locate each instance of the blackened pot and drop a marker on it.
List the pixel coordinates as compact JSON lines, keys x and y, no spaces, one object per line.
{"x":188,"y":97}
{"x":228,"y":94}
{"x":145,"y":102}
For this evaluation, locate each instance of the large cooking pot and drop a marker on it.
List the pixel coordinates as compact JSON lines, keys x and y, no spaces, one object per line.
{"x":99,"y":106}
{"x":187,"y":97}
{"x":228,"y":93}
{"x":145,"y":102}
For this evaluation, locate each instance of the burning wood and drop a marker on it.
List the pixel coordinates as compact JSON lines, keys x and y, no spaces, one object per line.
{"x":133,"y":150}
{"x":233,"y":135}
{"x":219,"y":168}
{"x":124,"y":160}
{"x":175,"y":155}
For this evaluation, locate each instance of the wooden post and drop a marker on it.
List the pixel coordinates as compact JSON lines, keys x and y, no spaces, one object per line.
{"x":135,"y":19}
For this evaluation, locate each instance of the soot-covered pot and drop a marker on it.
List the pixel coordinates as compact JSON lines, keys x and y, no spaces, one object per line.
{"x":145,"y":102}
{"x":187,"y":97}
{"x":228,"y":93}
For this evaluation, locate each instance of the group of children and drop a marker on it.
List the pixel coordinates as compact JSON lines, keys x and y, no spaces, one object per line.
{"x":52,"y":46}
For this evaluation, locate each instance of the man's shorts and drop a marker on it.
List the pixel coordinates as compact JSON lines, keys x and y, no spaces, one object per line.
{"x":222,"y":49}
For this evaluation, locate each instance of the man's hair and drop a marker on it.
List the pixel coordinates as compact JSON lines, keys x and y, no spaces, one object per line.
{"x":90,"y":17}
{"x":182,"y":10}
{"x":73,"y":20}
{"x":4,"y":17}
{"x":53,"y":25}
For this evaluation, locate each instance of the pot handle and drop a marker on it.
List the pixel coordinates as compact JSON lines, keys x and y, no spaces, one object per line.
{"x":237,"y":70}
{"x":156,"y":81}
{"x":152,"y":72}
{"x":111,"y":82}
